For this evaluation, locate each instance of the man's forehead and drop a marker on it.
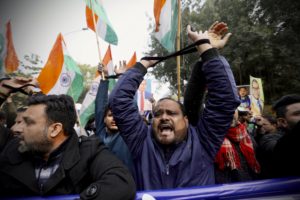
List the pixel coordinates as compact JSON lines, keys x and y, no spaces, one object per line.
{"x":35,"y":110}
{"x":167,"y":103}
{"x":293,"y":107}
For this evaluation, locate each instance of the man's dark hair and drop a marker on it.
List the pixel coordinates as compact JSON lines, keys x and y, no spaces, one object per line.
{"x":271,"y":119}
{"x":243,"y":113}
{"x":280,"y":105}
{"x":106,"y":109}
{"x":59,"y":108}
{"x":182,"y":108}
{"x":22,"y":109}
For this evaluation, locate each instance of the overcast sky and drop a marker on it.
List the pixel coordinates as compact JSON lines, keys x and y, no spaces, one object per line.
{"x":36,"y":24}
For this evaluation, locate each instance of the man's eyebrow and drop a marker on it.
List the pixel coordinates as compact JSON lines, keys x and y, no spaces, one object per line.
{"x":27,"y":119}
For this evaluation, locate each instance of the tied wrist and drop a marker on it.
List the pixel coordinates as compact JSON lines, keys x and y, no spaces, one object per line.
{"x":203,"y":47}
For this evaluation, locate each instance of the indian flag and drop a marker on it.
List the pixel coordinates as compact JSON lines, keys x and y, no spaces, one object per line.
{"x":166,"y":18}
{"x":88,"y":105}
{"x":132,"y":61}
{"x":9,"y":62}
{"x":103,"y":25}
{"x":61,"y":75}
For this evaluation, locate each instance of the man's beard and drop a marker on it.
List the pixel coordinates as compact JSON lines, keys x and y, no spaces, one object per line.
{"x":40,"y":147}
{"x":23,"y":147}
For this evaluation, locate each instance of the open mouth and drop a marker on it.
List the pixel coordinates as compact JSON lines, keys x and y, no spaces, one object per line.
{"x":166,"y":129}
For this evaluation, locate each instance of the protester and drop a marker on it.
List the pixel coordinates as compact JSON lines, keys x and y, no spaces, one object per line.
{"x":287,"y":111}
{"x":7,"y":87}
{"x":246,"y":118}
{"x":49,"y":159}
{"x":236,"y":160}
{"x":106,"y":127}
{"x":10,"y":110}
{"x":171,"y":152}
{"x":287,"y":148}
{"x":267,"y":137}
{"x":16,"y":128}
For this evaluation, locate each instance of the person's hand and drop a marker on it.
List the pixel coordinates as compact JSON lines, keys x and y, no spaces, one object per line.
{"x":102,"y":69}
{"x":121,"y":68}
{"x":217,"y":34}
{"x":148,"y":63}
{"x":258,"y":120}
{"x":195,"y":36}
{"x":33,"y":87}
{"x":25,"y":85}
{"x":9,"y":99}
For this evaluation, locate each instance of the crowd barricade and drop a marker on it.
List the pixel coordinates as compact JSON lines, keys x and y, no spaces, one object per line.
{"x":269,"y":189}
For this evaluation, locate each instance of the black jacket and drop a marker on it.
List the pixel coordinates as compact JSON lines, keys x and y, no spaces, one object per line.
{"x":87,"y":167}
{"x":286,"y":154}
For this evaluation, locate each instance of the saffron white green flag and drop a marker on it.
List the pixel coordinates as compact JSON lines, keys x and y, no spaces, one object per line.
{"x":8,"y":57}
{"x":166,"y":19}
{"x":61,"y":75}
{"x":103,"y":25}
{"x":131,"y":62}
{"x":87,"y":109}
{"x":88,"y":105}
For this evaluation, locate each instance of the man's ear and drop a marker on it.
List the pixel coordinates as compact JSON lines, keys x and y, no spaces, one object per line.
{"x":281,"y":122}
{"x":186,"y":120}
{"x":55,"y":129}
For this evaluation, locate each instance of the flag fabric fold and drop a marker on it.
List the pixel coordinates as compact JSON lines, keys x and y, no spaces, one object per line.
{"x":166,"y":19}
{"x":88,"y":105}
{"x":103,"y":25}
{"x":132,"y":61}
{"x":87,"y":109}
{"x":9,"y":61}
{"x":61,"y":75}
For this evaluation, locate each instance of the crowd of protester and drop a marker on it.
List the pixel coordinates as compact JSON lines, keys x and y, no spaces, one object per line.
{"x":209,"y":139}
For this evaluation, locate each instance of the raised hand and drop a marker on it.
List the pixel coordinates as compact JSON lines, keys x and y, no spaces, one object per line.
{"x":121,"y":68}
{"x":217,"y":34}
{"x":102,"y":69}
{"x":195,"y":36}
{"x":21,"y":84}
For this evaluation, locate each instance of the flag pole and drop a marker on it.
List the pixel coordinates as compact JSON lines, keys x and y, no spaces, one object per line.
{"x":178,"y":48}
{"x":96,"y":33}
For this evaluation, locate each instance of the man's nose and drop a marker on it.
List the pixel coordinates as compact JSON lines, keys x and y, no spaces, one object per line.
{"x":164,"y":116}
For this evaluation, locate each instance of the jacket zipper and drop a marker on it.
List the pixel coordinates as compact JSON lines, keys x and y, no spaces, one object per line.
{"x":167,"y":169}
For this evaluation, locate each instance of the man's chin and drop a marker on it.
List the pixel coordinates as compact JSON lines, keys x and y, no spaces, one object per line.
{"x":166,"y":141}
{"x":113,"y":130}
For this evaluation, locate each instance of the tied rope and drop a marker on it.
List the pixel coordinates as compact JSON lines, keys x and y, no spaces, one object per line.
{"x":189,"y":49}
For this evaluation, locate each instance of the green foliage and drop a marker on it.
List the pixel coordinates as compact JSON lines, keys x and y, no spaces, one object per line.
{"x":265,"y":42}
{"x":30,"y":66}
{"x":89,"y":73}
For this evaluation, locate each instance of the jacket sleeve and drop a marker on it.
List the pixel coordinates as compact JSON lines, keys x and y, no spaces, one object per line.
{"x":100,"y":104}
{"x":221,"y":102}
{"x":194,"y":94}
{"x":11,"y":114}
{"x":125,"y":111}
{"x":109,"y":176}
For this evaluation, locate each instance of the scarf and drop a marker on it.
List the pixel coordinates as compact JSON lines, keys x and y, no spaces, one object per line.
{"x":229,"y":157}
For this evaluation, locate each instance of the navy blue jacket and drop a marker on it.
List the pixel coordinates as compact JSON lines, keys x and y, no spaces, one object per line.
{"x":191,"y":164}
{"x":114,"y":142}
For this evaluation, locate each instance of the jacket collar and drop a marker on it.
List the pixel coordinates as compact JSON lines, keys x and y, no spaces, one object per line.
{"x":24,"y":162}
